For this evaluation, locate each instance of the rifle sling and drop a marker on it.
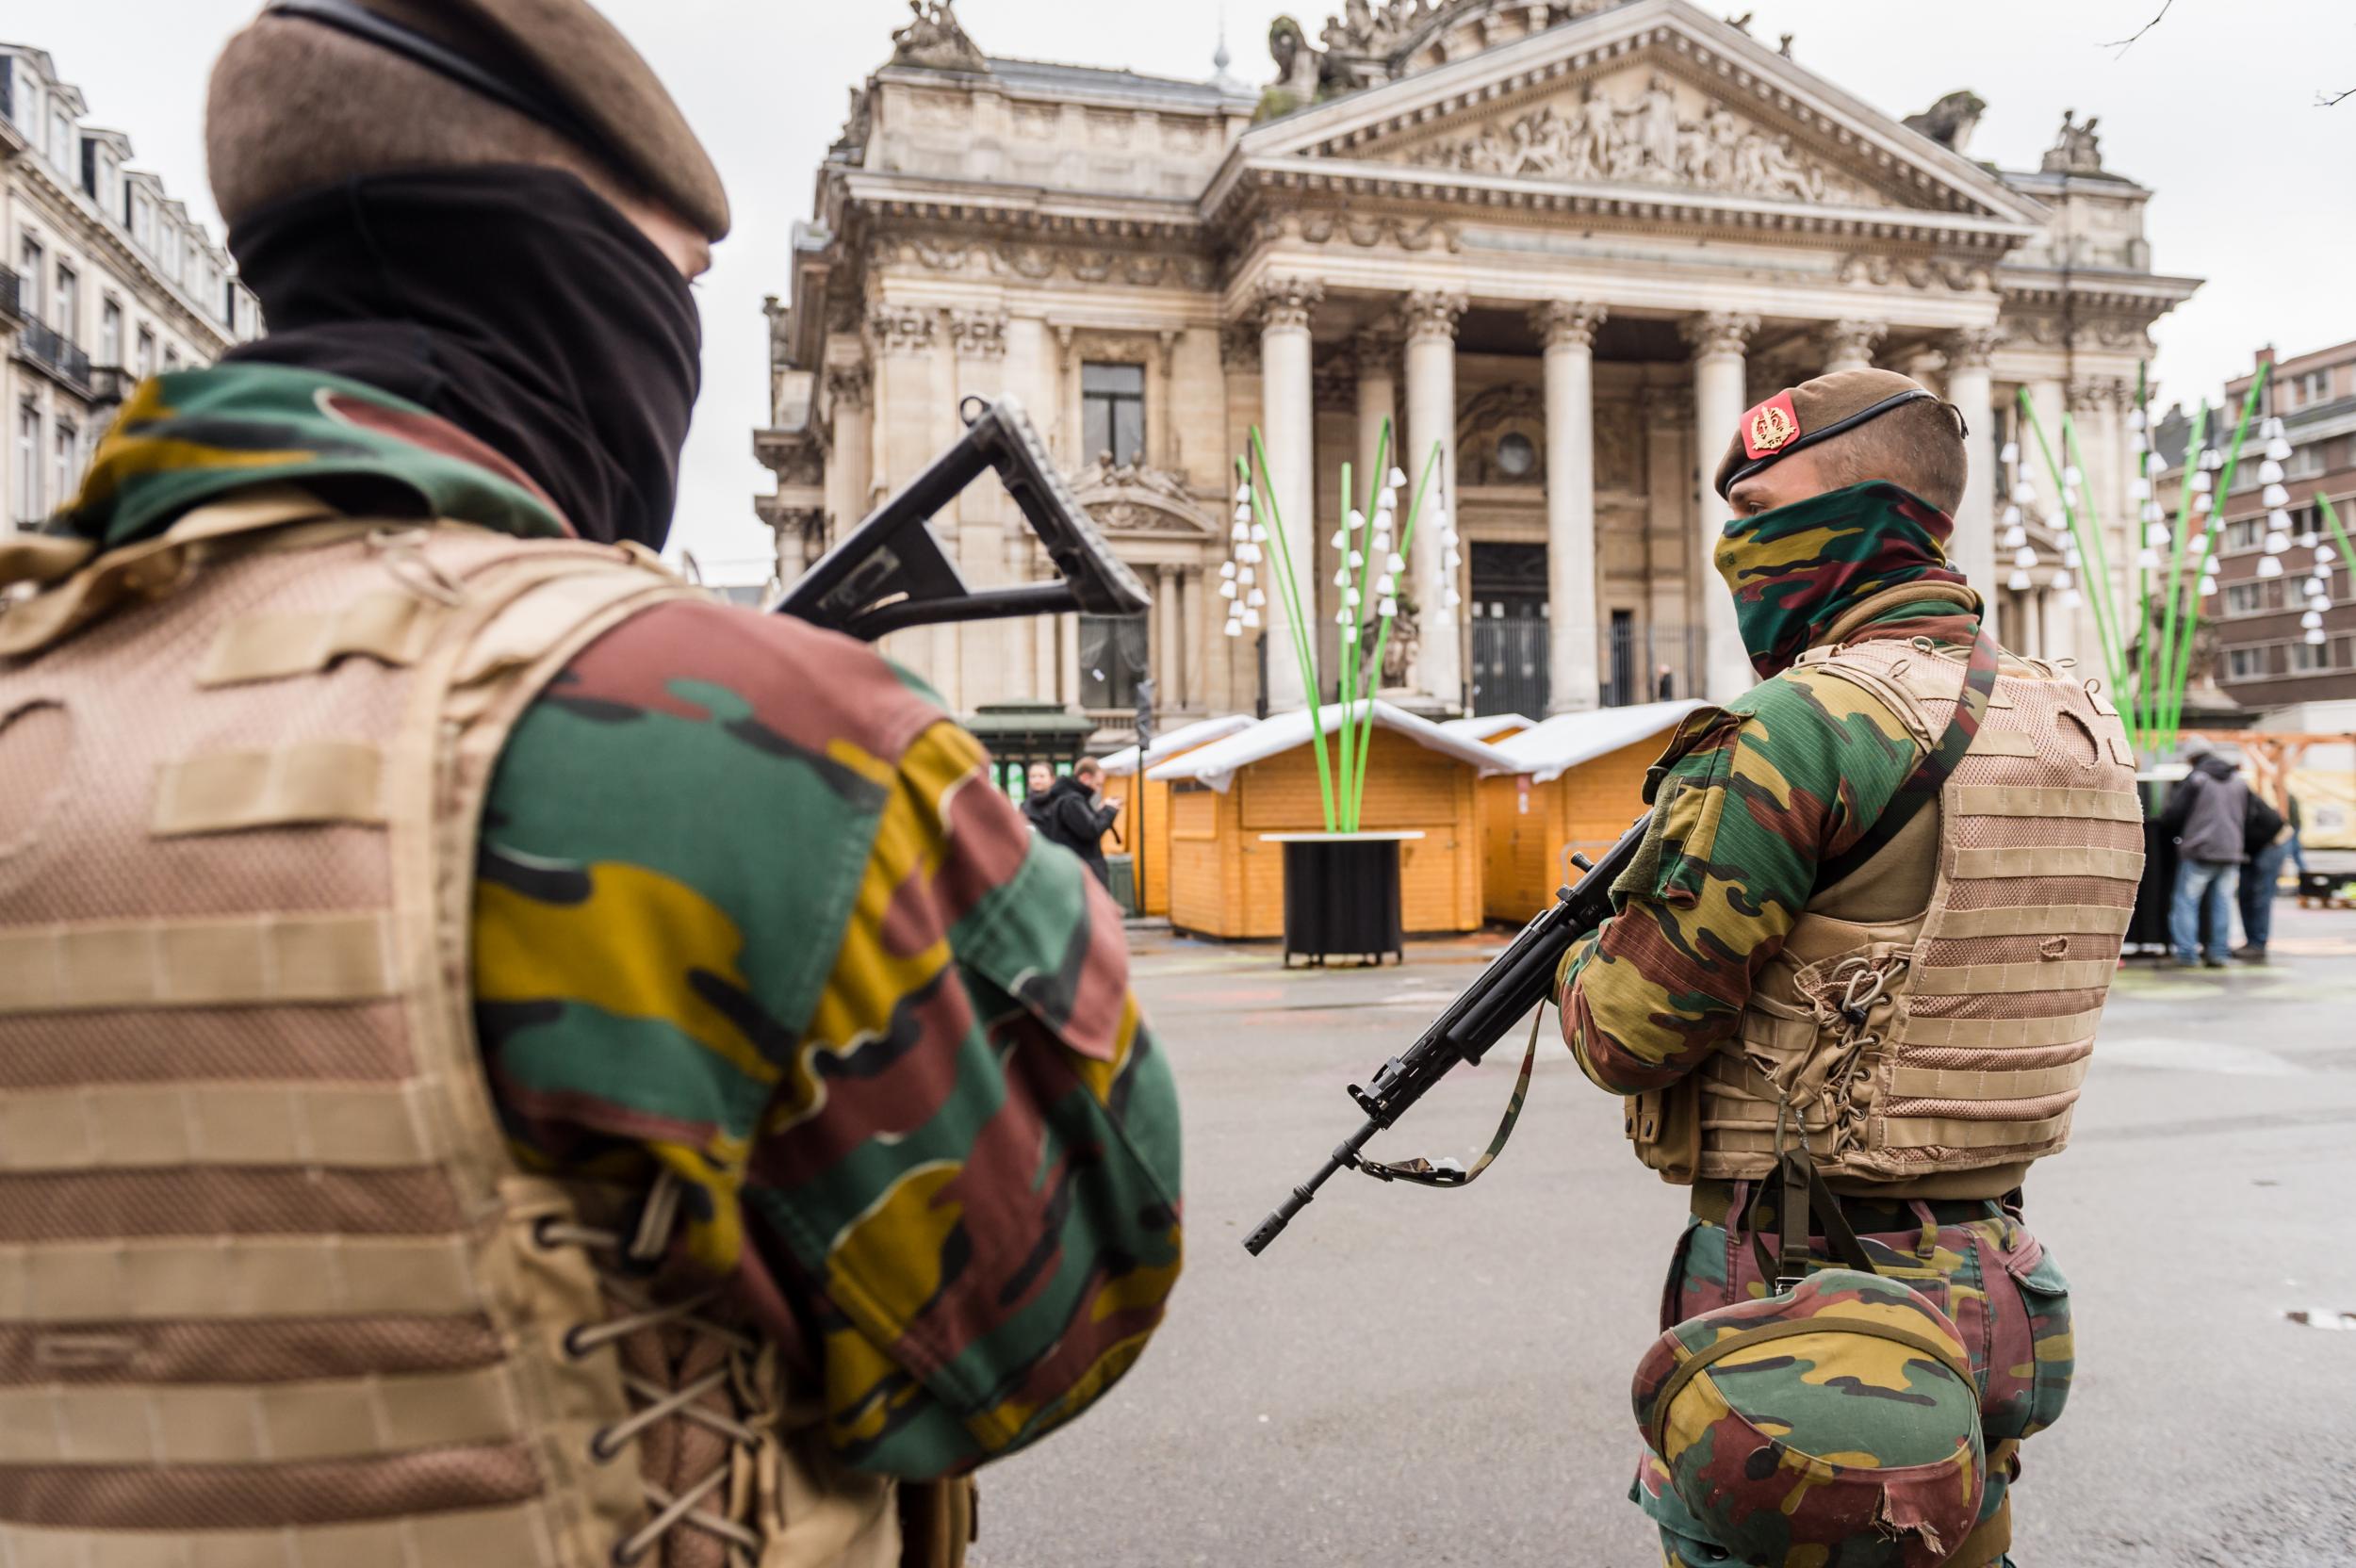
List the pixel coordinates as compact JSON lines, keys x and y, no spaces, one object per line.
{"x":1425,"y":1174}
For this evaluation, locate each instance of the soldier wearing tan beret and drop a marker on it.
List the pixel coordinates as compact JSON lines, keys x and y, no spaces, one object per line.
{"x":516,"y":1062}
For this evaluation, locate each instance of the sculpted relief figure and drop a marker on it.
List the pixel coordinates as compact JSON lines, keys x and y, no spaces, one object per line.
{"x":1643,"y":140}
{"x":933,"y":37}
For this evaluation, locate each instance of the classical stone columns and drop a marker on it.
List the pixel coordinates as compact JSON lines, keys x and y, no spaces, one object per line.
{"x":1377,"y":353}
{"x":1567,"y":329}
{"x":1849,"y":344}
{"x":1287,"y":423}
{"x":1718,"y":340}
{"x":1430,"y":316}
{"x":1167,"y":656}
{"x":1973,"y":546}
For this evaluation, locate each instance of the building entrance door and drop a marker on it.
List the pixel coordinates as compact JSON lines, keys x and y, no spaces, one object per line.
{"x":1510,"y":626}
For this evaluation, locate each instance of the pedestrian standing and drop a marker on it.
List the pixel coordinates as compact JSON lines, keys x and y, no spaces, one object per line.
{"x":1073,"y":813}
{"x":2267,"y":839}
{"x":2206,"y":814}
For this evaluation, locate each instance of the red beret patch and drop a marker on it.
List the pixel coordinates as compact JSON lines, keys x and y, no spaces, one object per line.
{"x":1770,"y":427}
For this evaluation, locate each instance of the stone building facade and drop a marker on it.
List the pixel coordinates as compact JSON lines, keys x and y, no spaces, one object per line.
{"x":1567,"y":243}
{"x":105,"y":279}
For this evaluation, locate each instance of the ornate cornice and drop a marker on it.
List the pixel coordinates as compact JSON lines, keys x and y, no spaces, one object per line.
{"x":1281,"y":302}
{"x":1560,"y":322}
{"x":1718,"y":332}
{"x":1430,"y":313}
{"x":979,"y":334}
{"x":1041,"y":260}
{"x":903,"y":329}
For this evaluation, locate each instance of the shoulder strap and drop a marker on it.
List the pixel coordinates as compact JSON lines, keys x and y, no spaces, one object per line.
{"x":1922,"y":785}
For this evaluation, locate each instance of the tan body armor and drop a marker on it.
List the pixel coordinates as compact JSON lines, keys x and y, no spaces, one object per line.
{"x":272,"y":1290}
{"x":1930,"y":1017}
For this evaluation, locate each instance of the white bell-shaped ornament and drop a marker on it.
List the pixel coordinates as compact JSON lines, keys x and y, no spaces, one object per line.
{"x":1451,"y":599}
{"x":2062,"y":580}
{"x":1240,"y":532}
{"x":1249,"y":553}
{"x":2212,"y":460}
{"x":1259,"y":534}
{"x":2136,"y":442}
{"x":1396,"y":479}
{"x":1356,"y":560}
{"x":1339,"y":541}
{"x":2269,"y":565}
{"x":1451,"y":560}
{"x":1255,"y":598}
{"x":2201,"y":504}
{"x":1243,"y":493}
{"x":2148,"y":559}
{"x":2324,"y":553}
{"x":1234,"y":628}
{"x":2271,"y":426}
{"x":2269,"y":472}
{"x":2070,"y":599}
{"x":2151,"y":512}
{"x":1227,"y":568}
{"x":2022,"y":492}
{"x":2134,"y":419}
{"x":1227,"y":590}
{"x":1386,"y":584}
{"x":2316,"y":638}
{"x":1439,"y":521}
{"x":1243,"y":514}
{"x":2279,"y":518}
{"x":1251,"y":618}
{"x":2274,"y":494}
{"x":1356,"y":520}
{"x":2208,"y":586}
{"x":1341,"y":577}
{"x":2073,"y":475}
{"x":2156,"y":535}
{"x":2277,"y":541}
{"x":2010,"y":454}
{"x":2139,"y":489}
{"x":1393,"y":562}
{"x":1341,"y":617}
{"x":2278,"y":449}
{"x":2013,"y":537}
{"x":1247,"y":576}
{"x":2024,"y":557}
{"x":1381,"y":542}
{"x":2012,"y":517}
{"x":2069,"y":556}
{"x":2200,"y":481}
{"x":2308,"y":539}
{"x":2018,"y":581}
{"x":1387,"y":609}
{"x":2312,"y":619}
{"x":1350,"y":598}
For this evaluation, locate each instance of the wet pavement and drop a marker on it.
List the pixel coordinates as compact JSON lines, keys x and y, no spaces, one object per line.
{"x":1413,"y":1377}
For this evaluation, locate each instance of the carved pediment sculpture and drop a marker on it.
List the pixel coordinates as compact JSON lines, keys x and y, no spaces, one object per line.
{"x":933,"y":37}
{"x":1624,"y":131}
{"x":1134,"y":497}
{"x":2076,"y":150}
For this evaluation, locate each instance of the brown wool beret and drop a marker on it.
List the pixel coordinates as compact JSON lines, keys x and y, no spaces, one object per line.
{"x":558,"y":62}
{"x":1802,"y":415}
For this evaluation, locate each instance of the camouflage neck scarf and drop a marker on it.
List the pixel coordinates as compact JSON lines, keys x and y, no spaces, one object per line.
{"x":192,"y":436}
{"x":1796,"y":570}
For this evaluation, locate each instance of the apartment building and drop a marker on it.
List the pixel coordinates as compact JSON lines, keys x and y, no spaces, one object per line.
{"x":105,"y":279}
{"x":2284,"y":610}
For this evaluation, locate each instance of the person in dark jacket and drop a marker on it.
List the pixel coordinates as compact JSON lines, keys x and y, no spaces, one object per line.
{"x":2206,"y":814}
{"x":2267,"y":839}
{"x":1068,"y":813}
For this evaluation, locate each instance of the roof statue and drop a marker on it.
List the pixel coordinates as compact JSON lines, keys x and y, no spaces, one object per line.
{"x":2075,"y":151}
{"x":1373,"y":41}
{"x":933,"y":37}
{"x":1951,"y":120}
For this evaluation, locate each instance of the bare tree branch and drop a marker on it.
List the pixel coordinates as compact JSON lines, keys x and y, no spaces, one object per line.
{"x":2123,"y":44}
{"x":2330,"y":100}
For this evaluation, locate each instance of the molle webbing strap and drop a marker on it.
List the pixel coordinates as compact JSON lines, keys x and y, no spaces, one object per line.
{"x":1742,"y":1339}
{"x":2115,"y":865}
{"x":150,"y":1126}
{"x":390,"y":626}
{"x":515,"y":1534}
{"x":306,"y":781}
{"x":1929,"y":777}
{"x":230,"y":960}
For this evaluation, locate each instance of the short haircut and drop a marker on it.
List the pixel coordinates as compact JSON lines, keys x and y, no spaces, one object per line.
{"x":1915,"y":443}
{"x":293,"y":106}
{"x":1088,"y":765}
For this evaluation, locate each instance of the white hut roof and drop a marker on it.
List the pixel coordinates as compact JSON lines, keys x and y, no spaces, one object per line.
{"x":1215,"y":764}
{"x":1547,"y":751}
{"x":1485,"y":726}
{"x":1185,"y":738}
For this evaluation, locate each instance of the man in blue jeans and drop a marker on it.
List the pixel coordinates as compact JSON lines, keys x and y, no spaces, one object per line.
{"x":2267,"y":839}
{"x":2206,"y":814}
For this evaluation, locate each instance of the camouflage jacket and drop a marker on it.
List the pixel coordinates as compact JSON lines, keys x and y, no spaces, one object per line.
{"x":749,"y":907}
{"x":1752,"y":797}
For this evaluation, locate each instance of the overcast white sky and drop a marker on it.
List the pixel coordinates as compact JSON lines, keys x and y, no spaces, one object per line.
{"x":2214,"y":109}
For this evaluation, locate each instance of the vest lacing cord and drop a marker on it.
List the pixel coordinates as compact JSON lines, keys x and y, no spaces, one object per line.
{"x":614,"y":1255}
{"x":1862,"y":984}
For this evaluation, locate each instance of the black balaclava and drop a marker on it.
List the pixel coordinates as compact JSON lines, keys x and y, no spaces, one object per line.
{"x":510,"y":299}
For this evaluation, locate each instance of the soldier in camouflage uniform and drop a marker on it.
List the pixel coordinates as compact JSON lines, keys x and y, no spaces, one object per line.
{"x":507,"y":1059}
{"x":1877,"y":913}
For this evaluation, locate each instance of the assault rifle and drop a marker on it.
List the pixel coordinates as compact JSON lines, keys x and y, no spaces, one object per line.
{"x":888,"y":573}
{"x":1518,"y":980}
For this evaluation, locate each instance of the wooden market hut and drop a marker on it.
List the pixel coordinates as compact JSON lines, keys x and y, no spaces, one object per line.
{"x":1226,"y":881}
{"x":1578,"y":780}
{"x":1145,"y":803}
{"x":1489,"y":729}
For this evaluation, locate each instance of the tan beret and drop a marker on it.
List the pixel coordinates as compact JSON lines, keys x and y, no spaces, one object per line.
{"x":559,"y":63}
{"x":1801,"y":416}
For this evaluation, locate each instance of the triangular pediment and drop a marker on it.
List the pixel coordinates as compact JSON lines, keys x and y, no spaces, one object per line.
{"x":1654,"y":100}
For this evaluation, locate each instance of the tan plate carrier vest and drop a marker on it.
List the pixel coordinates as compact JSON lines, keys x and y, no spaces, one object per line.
{"x":272,"y":1290}
{"x":1929,"y":1021}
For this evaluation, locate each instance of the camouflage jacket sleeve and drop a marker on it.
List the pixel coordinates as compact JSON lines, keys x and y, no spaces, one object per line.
{"x":750,"y":908}
{"x":1746,"y":806}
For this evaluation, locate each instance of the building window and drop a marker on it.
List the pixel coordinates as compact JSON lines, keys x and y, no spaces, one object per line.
{"x":33,"y":262}
{"x":171,"y":358}
{"x":2251,"y":598}
{"x":2315,"y":386}
{"x":1112,"y":412}
{"x":68,"y":318}
{"x":111,"y":332}
{"x":66,"y":445}
{"x":61,"y":141}
{"x":2244,"y":664}
{"x":2245,"y":535}
{"x":27,"y":464}
{"x":1113,"y":654}
{"x":2306,"y":461}
{"x":2308,"y":658}
{"x":147,"y":353}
